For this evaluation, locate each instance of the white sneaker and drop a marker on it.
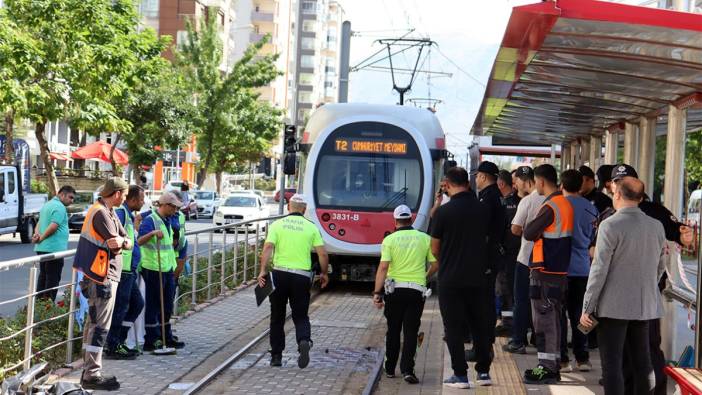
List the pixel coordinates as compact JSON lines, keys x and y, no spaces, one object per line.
{"x":566,"y":368}
{"x":584,"y":366}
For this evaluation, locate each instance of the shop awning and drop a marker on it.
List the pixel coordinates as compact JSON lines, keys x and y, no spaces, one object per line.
{"x":100,"y":151}
{"x":573,"y":68}
{"x":59,"y":156}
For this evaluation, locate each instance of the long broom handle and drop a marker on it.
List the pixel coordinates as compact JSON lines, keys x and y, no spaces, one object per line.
{"x":160,"y":287}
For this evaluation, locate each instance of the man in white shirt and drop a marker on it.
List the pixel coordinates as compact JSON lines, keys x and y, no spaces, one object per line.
{"x":526,"y":211}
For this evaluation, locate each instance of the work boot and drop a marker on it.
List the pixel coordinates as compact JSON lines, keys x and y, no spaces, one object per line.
{"x":514,"y":348}
{"x":121,"y":352}
{"x":104,"y":383}
{"x":153,"y":346}
{"x":541,"y":375}
{"x":304,"y":359}
{"x":276,"y":360}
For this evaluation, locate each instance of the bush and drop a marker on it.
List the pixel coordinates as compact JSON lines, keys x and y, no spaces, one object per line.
{"x":36,"y":186}
{"x":43,"y":336}
{"x":265,"y":185}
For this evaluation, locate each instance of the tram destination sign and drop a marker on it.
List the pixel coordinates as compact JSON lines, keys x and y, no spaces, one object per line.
{"x":367,"y":146}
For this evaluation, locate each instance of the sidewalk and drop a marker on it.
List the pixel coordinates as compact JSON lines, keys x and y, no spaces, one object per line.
{"x":204,"y":333}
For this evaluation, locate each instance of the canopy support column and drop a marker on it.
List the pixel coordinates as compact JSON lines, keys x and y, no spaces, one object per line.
{"x":553,"y":154}
{"x":584,"y":152}
{"x":595,"y":152}
{"x":565,"y":156}
{"x":673,"y":200}
{"x":611,"y":142}
{"x":631,"y":145}
{"x":574,"y":152}
{"x":647,"y":152}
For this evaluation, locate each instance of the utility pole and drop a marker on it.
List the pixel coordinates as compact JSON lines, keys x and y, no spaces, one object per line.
{"x":344,"y":62}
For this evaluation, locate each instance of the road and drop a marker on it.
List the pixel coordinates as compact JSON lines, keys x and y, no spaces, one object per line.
{"x":14,"y":283}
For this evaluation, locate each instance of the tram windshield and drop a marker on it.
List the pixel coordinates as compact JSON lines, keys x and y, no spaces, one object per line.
{"x":368,"y":182}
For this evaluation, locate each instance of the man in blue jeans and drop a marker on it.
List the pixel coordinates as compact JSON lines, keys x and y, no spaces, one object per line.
{"x":584,"y":220}
{"x":128,"y":301}
{"x":527,"y":210}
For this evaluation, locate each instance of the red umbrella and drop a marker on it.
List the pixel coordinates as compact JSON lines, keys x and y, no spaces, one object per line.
{"x":100,"y":150}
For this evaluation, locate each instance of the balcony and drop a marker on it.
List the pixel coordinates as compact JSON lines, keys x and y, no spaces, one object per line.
{"x":262,"y":16}
{"x":256,"y":37}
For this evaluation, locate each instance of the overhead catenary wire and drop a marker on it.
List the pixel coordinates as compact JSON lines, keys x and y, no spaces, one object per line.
{"x":469,"y":75}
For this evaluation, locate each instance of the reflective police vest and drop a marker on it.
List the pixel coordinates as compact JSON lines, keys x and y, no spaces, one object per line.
{"x":181,"y":233}
{"x":129,"y":227}
{"x":92,"y":255}
{"x":149,"y":255}
{"x":551,"y":252}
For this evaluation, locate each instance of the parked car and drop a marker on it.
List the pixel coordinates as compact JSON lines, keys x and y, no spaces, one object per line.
{"x":289,"y":192}
{"x":79,"y":209}
{"x":175,"y":185}
{"x":240,"y":207}
{"x":207,"y":202}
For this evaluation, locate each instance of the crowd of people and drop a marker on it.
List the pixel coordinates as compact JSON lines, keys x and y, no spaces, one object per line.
{"x":544,"y":253}
{"x":118,"y":245}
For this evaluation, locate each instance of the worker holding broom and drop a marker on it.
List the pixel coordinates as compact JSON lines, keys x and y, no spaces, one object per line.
{"x":158,"y":263}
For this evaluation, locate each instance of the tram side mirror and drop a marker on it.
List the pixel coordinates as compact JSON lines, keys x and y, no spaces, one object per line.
{"x":289,"y":163}
{"x":449,"y":164}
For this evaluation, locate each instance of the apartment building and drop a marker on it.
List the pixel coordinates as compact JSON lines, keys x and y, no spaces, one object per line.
{"x":316,"y":80}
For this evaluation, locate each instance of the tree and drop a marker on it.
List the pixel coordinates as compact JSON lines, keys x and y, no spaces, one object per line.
{"x":161,"y":113}
{"x":253,"y":125}
{"x":693,"y":159}
{"x":217,"y":93}
{"x":17,"y":52}
{"x":88,"y":52}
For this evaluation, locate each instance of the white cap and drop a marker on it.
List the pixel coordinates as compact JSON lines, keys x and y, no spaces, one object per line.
{"x":402,"y":212}
{"x":298,"y":198}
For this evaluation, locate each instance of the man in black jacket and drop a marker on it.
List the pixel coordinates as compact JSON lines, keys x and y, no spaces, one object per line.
{"x":491,"y":198}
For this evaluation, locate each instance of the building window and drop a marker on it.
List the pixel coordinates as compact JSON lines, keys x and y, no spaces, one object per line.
{"x":257,"y":29}
{"x":147,"y":8}
{"x":309,"y":7}
{"x":329,"y":69}
{"x":304,"y":97}
{"x":307,"y":43}
{"x":307,"y":61}
{"x":306,"y":79}
{"x":328,"y":84}
{"x":309,"y":26}
{"x":181,"y":38}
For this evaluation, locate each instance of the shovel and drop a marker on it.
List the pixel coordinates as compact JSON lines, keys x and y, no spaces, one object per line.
{"x":163,"y":350}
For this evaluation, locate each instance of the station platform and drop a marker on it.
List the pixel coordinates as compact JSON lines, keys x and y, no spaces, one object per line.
{"x":348,"y":334}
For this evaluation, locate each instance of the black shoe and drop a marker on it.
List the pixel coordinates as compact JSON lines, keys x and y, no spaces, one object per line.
{"x":304,"y":359}
{"x":149,"y":347}
{"x":410,"y":378}
{"x":276,"y":360}
{"x":175,"y":343}
{"x":121,"y":352}
{"x":514,"y":348}
{"x":541,"y":375}
{"x":103,"y":383}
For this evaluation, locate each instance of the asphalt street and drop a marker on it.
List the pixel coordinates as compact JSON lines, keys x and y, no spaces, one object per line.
{"x":14,"y":283}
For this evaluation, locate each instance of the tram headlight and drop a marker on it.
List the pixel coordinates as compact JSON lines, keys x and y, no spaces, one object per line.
{"x":326,"y":217}
{"x":332,"y":226}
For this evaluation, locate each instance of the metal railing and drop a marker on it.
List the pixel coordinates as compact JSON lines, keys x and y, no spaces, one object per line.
{"x":236,"y":264}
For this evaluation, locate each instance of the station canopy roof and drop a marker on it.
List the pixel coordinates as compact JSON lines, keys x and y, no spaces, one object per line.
{"x":574,"y":68}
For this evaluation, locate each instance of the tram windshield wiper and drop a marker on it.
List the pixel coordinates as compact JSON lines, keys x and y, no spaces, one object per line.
{"x":401,"y":194}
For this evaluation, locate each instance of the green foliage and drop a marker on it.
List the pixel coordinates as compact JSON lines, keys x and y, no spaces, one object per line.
{"x":36,"y":186}
{"x":231,"y":125}
{"x":693,"y":158}
{"x":265,"y":185}
{"x":43,"y":336}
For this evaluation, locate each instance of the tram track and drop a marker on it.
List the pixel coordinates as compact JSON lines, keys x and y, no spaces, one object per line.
{"x":252,"y":355}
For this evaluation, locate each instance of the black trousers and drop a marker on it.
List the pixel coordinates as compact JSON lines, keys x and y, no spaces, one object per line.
{"x":293,"y":288}
{"x":572,"y":310}
{"x":618,"y":338}
{"x":657,"y":360}
{"x":403,"y":311}
{"x":49,"y":277}
{"x":463,"y":307}
{"x":522,"y":305}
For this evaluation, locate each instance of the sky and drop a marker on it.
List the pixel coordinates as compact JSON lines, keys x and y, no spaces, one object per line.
{"x":467,"y":33}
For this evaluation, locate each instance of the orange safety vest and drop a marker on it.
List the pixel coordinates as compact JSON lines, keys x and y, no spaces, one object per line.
{"x":551,"y":253}
{"x":92,"y":255}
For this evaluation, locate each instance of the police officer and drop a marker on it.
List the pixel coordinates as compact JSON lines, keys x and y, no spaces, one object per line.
{"x":156,"y":237}
{"x":289,"y":243}
{"x":505,"y":278}
{"x":490,"y":196}
{"x":99,"y":258}
{"x":402,"y":273}
{"x":129,"y":302}
{"x":590,"y":191}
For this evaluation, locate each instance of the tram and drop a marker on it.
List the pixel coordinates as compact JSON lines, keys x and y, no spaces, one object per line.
{"x":359,"y":162}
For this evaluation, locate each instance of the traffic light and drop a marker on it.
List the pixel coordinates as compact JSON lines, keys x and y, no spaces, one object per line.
{"x":290,"y":138}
